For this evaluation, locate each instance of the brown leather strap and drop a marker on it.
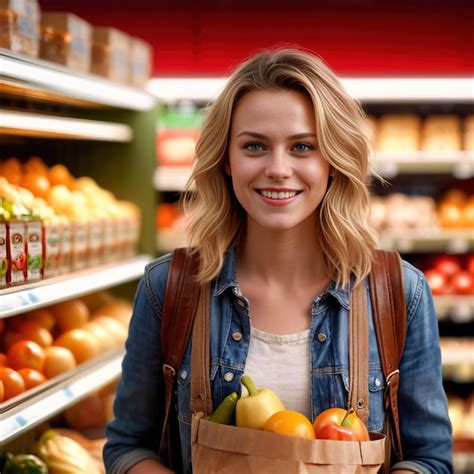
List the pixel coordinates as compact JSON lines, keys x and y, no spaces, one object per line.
{"x":201,"y":398}
{"x":177,"y":318}
{"x":388,"y":301}
{"x":359,"y":353}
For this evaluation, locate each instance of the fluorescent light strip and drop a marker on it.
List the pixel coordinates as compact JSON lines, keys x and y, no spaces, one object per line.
{"x":93,"y":89}
{"x":364,"y":89}
{"x":76,"y":128}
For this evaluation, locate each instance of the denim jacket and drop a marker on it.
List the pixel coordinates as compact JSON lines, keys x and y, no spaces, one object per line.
{"x":425,"y":428}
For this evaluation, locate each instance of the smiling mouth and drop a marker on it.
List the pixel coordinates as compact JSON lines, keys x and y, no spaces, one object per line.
{"x":277,"y":194}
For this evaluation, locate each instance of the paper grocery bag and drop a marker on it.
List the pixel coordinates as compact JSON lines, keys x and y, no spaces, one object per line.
{"x":222,"y":449}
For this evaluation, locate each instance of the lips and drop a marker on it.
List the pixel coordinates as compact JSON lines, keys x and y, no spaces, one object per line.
{"x":278,"y":197}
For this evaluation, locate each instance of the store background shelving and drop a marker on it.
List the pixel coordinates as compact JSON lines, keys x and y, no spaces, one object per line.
{"x":100,"y":129}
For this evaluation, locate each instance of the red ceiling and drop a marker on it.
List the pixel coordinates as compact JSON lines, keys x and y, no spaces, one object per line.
{"x":205,"y":38}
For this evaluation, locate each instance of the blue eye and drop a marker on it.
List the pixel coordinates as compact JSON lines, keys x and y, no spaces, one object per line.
{"x":254,"y":146}
{"x":303,"y":147}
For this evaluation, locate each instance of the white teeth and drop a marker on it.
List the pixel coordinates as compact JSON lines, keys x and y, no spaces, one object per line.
{"x":280,"y":195}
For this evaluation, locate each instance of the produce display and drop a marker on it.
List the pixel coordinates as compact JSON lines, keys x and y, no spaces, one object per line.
{"x":454,"y":210}
{"x":52,"y":223}
{"x":410,"y":132}
{"x":451,"y":275}
{"x":261,"y":409}
{"x":42,"y":344}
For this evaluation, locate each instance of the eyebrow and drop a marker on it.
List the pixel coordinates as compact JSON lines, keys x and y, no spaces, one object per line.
{"x":260,"y":135}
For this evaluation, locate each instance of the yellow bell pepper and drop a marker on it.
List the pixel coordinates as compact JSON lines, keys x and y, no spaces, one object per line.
{"x":253,"y":411}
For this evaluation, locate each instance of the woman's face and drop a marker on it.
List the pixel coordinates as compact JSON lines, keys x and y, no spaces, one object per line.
{"x":278,"y":173}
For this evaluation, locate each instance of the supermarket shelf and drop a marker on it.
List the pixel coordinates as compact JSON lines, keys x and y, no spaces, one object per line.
{"x":458,"y":163}
{"x":171,"y":178}
{"x":47,"y":81}
{"x":17,"y":300}
{"x":388,"y":164}
{"x":29,"y":411}
{"x":459,"y":308}
{"x":428,"y":240}
{"x":48,"y":126}
{"x":367,"y":89}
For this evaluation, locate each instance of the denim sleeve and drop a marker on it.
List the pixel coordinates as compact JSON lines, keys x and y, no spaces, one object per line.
{"x":424,"y":422}
{"x":135,"y":432}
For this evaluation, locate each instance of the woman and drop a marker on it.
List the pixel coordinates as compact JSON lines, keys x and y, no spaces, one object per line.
{"x":280,"y":218}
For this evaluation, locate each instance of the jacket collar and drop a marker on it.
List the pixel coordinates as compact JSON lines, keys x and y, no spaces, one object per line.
{"x":228,"y":279}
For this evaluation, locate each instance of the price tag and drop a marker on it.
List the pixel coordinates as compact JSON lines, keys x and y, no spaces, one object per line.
{"x":69,"y":393}
{"x":388,"y":168}
{"x":458,"y":245}
{"x":20,"y":421}
{"x":463,"y":169}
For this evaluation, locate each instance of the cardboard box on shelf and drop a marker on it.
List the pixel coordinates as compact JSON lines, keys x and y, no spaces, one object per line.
{"x":19,"y":26}
{"x":139,"y":62}
{"x":66,"y":39}
{"x":110,"y":54}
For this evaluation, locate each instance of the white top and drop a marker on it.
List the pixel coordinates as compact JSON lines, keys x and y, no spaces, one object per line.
{"x":282,"y":363}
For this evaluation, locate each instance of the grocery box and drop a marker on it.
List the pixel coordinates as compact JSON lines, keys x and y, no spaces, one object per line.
{"x":19,"y":26}
{"x":3,"y":255}
{"x":66,"y":39}
{"x":16,"y":252}
{"x":34,"y":250}
{"x":51,"y":249}
{"x":140,"y":62}
{"x":110,"y":54}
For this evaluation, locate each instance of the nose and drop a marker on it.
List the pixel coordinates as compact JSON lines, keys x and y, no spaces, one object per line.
{"x":278,"y":165}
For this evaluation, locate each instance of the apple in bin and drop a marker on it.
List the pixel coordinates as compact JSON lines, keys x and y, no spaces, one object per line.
{"x":340,"y":424}
{"x":448,"y":265}
{"x":438,"y":282}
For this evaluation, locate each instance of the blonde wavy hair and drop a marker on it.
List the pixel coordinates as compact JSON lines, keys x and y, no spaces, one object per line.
{"x":216,"y":219}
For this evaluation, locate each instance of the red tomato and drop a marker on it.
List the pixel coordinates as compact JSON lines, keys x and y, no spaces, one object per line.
{"x":463,"y":283}
{"x":448,"y":265}
{"x":470,"y":264}
{"x":26,"y":354}
{"x":437,"y":281}
{"x":351,"y":428}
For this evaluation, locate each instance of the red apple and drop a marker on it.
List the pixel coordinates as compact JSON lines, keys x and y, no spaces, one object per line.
{"x":337,"y":423}
{"x":448,"y":265}
{"x":438,"y":282}
{"x":463,"y":283}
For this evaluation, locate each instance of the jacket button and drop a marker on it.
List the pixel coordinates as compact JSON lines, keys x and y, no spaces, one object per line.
{"x":322,"y":337}
{"x":183,"y":374}
{"x":237,"y":336}
{"x":378,"y":382}
{"x":228,"y":376}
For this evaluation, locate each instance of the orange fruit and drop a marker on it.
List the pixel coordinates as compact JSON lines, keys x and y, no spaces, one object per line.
{"x":106,"y":340}
{"x":116,"y":329}
{"x":86,"y":414}
{"x":70,"y":314}
{"x":43,"y":316}
{"x":59,"y":174}
{"x":38,"y":184}
{"x":450,"y":216}
{"x":3,"y":360}
{"x":31,"y":377}
{"x":26,"y":354}
{"x":11,"y":170}
{"x":13,"y":384}
{"x":36,"y":165}
{"x":166,"y":215}
{"x":2,"y":391}
{"x":290,"y":423}
{"x":81,"y":343}
{"x":58,"y":360}
{"x":32,"y":331}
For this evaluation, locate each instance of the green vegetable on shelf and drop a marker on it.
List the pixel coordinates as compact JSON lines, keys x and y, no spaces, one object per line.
{"x":24,"y":464}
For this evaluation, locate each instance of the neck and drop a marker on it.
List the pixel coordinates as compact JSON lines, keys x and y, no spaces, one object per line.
{"x":284,"y":258}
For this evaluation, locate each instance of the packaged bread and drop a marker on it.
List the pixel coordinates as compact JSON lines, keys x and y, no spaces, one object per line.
{"x":66,"y":39}
{"x":140,"y":62}
{"x":19,"y":26}
{"x":399,"y":133}
{"x":441,"y":133}
{"x":110,"y":54}
{"x":468,"y":133}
